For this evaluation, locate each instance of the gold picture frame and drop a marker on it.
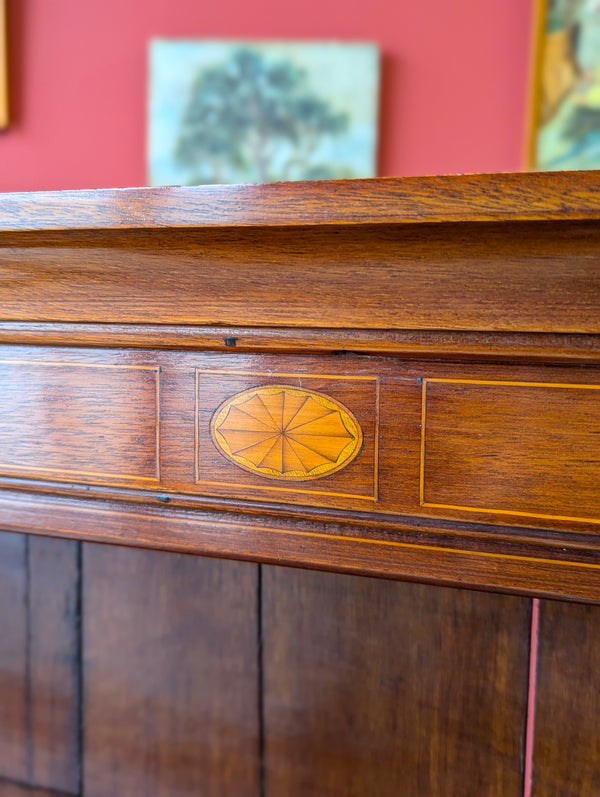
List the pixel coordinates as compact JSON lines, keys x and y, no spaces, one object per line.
{"x":4,"y":116}
{"x":564,"y":107}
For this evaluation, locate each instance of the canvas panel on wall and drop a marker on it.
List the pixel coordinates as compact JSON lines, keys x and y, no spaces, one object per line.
{"x":255,"y":112}
{"x":566,"y":94}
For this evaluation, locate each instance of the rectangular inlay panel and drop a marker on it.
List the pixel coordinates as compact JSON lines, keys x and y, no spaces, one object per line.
{"x":81,"y":422}
{"x":350,"y":400}
{"x":522,"y":448}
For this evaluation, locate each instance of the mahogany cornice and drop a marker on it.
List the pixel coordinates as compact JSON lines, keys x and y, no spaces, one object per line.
{"x":549,"y":196}
{"x":456,"y":319}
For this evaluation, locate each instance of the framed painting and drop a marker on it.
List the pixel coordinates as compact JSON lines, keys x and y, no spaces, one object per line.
{"x":3,"y":66}
{"x":258,"y":112}
{"x":565,"y":117}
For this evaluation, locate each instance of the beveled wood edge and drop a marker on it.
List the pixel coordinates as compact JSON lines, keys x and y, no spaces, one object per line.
{"x":272,"y":541}
{"x":543,"y":196}
{"x":421,"y":344}
{"x":17,"y":788}
{"x":580,"y":540}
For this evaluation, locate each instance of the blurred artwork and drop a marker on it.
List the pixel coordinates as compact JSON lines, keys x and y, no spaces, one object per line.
{"x":236,"y":112}
{"x":3,"y":65}
{"x":566,"y":132}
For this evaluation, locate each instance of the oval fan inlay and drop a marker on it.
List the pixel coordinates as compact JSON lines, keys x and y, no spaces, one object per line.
{"x":283,"y":432}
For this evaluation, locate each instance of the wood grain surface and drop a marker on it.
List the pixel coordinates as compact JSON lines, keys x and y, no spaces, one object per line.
{"x":171,"y":679}
{"x":129,"y":318}
{"x":544,"y":196}
{"x":529,"y":448}
{"x":12,"y":789}
{"x":359,"y":685}
{"x":79,"y":421}
{"x":482,"y":278}
{"x":492,"y":277}
{"x":14,"y":725}
{"x":566,"y":753}
{"x":495,"y":467}
{"x":408,"y":551}
{"x":422,"y":344}
{"x":54,"y":669}
{"x":77,"y":416}
{"x":381,"y":688}
{"x":39,"y":695}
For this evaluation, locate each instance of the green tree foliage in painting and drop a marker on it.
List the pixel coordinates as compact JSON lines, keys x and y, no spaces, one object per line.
{"x":248,"y":120}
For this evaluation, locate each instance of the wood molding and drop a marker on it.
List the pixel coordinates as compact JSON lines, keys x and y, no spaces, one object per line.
{"x":454,"y":320}
{"x":320,"y":546}
{"x":412,"y":344}
{"x":549,"y":196}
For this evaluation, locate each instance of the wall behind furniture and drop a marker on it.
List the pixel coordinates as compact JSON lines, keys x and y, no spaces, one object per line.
{"x":454,"y":91}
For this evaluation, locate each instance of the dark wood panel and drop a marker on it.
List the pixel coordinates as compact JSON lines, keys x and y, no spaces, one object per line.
{"x":379,"y":688}
{"x":566,"y":756}
{"x":54,"y":663}
{"x":14,"y":725}
{"x":171,"y":676}
{"x":12,"y":789}
{"x":39,"y":693}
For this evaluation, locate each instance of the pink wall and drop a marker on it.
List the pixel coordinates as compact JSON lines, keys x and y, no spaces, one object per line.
{"x":454,"y":79}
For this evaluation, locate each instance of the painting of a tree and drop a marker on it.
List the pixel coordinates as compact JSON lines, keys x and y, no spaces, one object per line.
{"x":254,"y":115}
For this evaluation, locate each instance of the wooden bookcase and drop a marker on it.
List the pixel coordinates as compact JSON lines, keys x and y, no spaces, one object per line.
{"x":395,"y":378}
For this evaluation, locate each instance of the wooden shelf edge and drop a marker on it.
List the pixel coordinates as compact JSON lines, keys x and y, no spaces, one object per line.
{"x":544,"y":196}
{"x":411,"y":343}
{"x":267,"y":540}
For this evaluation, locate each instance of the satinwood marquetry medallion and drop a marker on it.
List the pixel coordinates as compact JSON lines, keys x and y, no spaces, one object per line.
{"x":286,"y":433}
{"x":294,"y":436}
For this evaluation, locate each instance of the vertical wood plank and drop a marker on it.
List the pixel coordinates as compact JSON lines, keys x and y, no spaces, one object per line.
{"x":11,"y":789}
{"x":54,"y":663}
{"x":383,"y":688}
{"x":566,"y":753}
{"x":171,"y":680}
{"x":13,"y":657}
{"x":38,"y":662}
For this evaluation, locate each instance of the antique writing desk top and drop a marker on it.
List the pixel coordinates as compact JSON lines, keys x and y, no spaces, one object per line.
{"x":395,"y":377}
